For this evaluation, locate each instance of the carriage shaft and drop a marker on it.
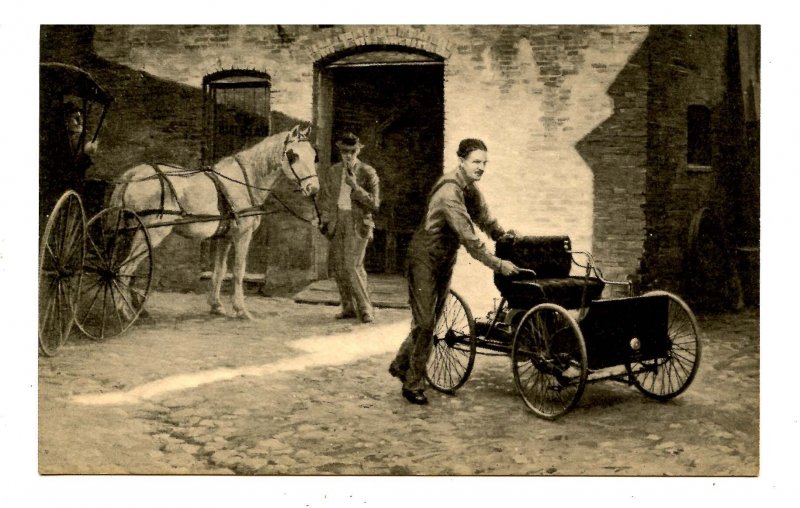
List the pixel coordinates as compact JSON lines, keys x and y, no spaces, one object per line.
{"x":194,"y":219}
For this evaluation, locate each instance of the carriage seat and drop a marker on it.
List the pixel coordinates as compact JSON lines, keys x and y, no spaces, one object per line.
{"x":550,"y":258}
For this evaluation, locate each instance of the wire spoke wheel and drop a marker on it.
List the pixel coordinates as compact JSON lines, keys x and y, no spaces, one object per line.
{"x":61,"y":257}
{"x":669,"y":374}
{"x":118,"y":271}
{"x":454,"y":347}
{"x":548,"y":360}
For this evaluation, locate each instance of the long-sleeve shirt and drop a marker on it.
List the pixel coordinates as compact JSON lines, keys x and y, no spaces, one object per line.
{"x":455,"y":207}
{"x":364,"y":197}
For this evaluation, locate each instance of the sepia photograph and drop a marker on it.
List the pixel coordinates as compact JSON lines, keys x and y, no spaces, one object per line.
{"x":395,"y":252}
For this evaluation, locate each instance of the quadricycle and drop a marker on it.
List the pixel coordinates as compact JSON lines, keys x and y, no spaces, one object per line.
{"x":561,"y":334}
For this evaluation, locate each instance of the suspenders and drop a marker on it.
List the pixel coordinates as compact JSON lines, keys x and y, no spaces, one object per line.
{"x":439,"y":185}
{"x":470,"y":198}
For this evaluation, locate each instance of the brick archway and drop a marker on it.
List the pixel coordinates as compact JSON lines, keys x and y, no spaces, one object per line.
{"x":397,"y":36}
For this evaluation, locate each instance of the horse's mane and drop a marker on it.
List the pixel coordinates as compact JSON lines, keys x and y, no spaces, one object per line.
{"x":265,"y":156}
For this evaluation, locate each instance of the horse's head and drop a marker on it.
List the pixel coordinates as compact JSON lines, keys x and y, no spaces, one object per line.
{"x":299,"y":161}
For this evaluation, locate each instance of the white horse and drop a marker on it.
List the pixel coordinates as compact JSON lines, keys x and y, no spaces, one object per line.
{"x":187,"y":202}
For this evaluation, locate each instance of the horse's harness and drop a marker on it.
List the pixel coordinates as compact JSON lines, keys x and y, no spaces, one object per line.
{"x":224,"y":201}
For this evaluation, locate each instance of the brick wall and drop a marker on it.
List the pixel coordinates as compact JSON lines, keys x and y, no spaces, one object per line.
{"x":687,"y":67}
{"x":531,"y":92}
{"x":616,"y":150}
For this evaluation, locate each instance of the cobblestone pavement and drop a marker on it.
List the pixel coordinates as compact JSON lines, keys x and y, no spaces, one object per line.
{"x":298,"y":393}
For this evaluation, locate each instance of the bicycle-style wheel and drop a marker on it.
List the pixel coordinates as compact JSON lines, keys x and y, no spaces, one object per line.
{"x":118,"y":272}
{"x":549,"y":361}
{"x":61,"y":257}
{"x":454,"y":346}
{"x":670,"y":373}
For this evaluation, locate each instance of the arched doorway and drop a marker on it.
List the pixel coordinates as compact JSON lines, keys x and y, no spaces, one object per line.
{"x":393,"y":99}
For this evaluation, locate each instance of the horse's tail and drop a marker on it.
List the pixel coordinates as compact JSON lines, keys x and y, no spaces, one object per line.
{"x":117,"y":197}
{"x":118,"y":194}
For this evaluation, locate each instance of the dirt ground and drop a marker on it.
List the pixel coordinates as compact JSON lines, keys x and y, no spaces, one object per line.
{"x":305,"y":402}
{"x":297,"y":393}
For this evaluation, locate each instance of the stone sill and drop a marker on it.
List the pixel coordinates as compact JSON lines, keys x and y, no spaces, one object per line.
{"x":697,"y":168}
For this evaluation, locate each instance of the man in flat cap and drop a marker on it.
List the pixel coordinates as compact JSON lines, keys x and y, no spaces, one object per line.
{"x":349,"y":195}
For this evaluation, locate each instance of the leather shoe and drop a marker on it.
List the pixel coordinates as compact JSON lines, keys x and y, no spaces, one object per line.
{"x":396,"y":372}
{"x":345,"y":315}
{"x":415,"y":396}
{"x":367,"y":318}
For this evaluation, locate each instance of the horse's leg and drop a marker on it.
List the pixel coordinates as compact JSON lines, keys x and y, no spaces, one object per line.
{"x":241,"y":248}
{"x":220,"y":247}
{"x":137,"y":252}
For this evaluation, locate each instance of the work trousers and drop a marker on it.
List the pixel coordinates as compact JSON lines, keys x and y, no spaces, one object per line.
{"x":346,"y":264}
{"x":428,"y":284}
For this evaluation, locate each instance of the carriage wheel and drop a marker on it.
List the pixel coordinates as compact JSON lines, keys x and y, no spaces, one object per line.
{"x":666,"y":377}
{"x":61,"y":257}
{"x":454,"y":346}
{"x":117,"y":273}
{"x":548,"y":360}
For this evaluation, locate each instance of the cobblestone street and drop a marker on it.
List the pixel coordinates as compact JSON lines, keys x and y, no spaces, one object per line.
{"x":297,"y":393}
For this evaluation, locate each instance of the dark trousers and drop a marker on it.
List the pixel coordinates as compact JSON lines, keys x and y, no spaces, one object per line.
{"x":428,"y":284}
{"x":346,"y":264}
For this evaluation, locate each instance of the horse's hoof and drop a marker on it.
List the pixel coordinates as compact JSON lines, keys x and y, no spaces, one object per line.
{"x":243,"y":314}
{"x":145,"y":318}
{"x":217,"y":310}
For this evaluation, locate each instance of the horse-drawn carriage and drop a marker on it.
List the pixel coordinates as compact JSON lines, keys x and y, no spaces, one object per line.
{"x":70,"y":104}
{"x":96,"y":273}
{"x":561,"y":334}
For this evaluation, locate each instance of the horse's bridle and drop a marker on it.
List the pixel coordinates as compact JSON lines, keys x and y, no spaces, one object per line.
{"x":290,"y":156}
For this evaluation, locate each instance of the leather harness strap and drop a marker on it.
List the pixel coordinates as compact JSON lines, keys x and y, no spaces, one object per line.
{"x":224,"y":203}
{"x":166,"y":184}
{"x":246,"y":182}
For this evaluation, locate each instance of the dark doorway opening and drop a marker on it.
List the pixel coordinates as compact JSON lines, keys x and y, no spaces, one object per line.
{"x":397,"y":109}
{"x":236,"y":111}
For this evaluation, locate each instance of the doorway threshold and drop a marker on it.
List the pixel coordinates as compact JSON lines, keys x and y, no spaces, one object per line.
{"x":386,"y":291}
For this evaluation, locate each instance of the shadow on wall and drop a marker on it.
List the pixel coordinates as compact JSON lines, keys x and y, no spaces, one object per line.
{"x":616,"y":152}
{"x":647,"y":203}
{"x":156,"y":120}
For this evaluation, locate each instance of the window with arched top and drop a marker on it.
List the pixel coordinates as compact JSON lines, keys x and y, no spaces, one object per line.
{"x":236,"y":111}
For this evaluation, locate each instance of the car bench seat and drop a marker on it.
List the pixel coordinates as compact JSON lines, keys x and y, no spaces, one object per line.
{"x":550,"y":258}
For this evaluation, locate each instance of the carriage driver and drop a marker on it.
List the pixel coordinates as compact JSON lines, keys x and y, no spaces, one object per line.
{"x":73,"y":119}
{"x":455,"y":206}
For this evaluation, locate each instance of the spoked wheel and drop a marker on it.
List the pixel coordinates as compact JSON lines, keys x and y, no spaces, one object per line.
{"x":669,"y":374}
{"x":61,"y":257}
{"x":548,"y":359}
{"x":454,"y":346}
{"x":117,"y":273}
